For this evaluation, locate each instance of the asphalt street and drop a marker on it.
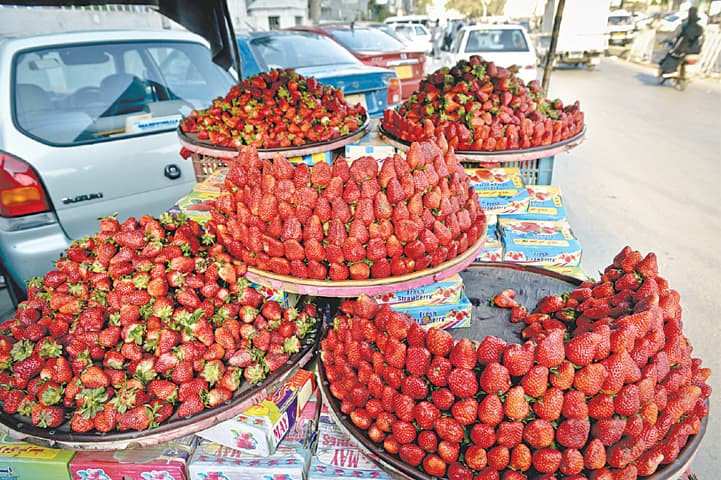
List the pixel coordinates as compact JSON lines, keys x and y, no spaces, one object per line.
{"x":646,"y":176}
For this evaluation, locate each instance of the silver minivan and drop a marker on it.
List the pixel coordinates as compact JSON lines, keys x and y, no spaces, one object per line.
{"x":88,"y":128}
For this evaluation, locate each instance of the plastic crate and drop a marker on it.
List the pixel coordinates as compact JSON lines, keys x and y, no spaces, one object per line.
{"x":533,"y":172}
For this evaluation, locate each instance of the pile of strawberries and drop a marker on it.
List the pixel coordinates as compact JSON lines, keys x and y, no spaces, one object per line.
{"x":144,"y":320}
{"x":280,"y":108}
{"x":344,"y":221}
{"x":480,"y":106}
{"x":603,"y":387}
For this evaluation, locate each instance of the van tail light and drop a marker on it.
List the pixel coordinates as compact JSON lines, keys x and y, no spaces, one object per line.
{"x":394,"y":91}
{"x":21,"y":192}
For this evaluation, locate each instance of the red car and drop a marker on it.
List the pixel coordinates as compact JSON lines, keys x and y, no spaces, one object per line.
{"x":375,"y":47}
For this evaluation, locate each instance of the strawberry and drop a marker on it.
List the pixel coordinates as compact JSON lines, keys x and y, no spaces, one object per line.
{"x":547,"y":460}
{"x":490,"y":350}
{"x":571,"y":462}
{"x":490,"y":410}
{"x":594,"y":456}
{"x":550,"y":405}
{"x":449,"y":429}
{"x":550,"y":351}
{"x":462,"y":382}
{"x":418,"y":360}
{"x":535,"y":381}
{"x":45,"y":416}
{"x":505,"y":299}
{"x":403,"y":432}
{"x":590,"y":378}
{"x":425,"y":414}
{"x":539,"y":433}
{"x":509,"y":434}
{"x":483,"y":435}
{"x":516,"y":406}
{"x":439,"y":342}
{"x":465,"y":411}
{"x":521,"y":458}
{"x":411,"y":454}
{"x":495,"y":378}
{"x":581,"y":350}
{"x":573,"y":432}
{"x":463,"y":354}
{"x":563,"y":376}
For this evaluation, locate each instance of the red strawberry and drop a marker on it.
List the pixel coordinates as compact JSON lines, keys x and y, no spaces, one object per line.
{"x":403,"y":432}
{"x":547,"y":460}
{"x":505,"y":299}
{"x":465,"y":411}
{"x":45,"y":416}
{"x":509,"y":434}
{"x":550,"y":351}
{"x":521,"y":458}
{"x":495,"y":378}
{"x":550,"y":405}
{"x":535,"y":381}
{"x":425,"y":414}
{"x":490,"y":410}
{"x":581,"y":350}
{"x":594,"y":456}
{"x":449,"y":429}
{"x":590,"y":378}
{"x":463,"y":354}
{"x":439,"y":342}
{"x":462,"y":382}
{"x":411,"y":454}
{"x":418,"y":360}
{"x":573,"y":432}
{"x":539,"y":433}
{"x":574,"y":405}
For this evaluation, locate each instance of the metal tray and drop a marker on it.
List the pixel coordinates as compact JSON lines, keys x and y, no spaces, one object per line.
{"x":190,"y":141}
{"x":20,"y":428}
{"x":481,"y":282}
{"x":352,"y":288}
{"x":501,"y":156}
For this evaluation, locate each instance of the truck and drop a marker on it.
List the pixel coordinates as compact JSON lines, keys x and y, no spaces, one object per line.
{"x":582,"y":37}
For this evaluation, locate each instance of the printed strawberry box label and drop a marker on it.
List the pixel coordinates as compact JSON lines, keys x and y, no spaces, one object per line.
{"x":215,"y":461}
{"x":260,"y":429}
{"x":448,"y":290}
{"x":455,"y":314}
{"x":545,"y":203}
{"x":313,"y":158}
{"x":500,"y":190}
{"x":536,"y":242}
{"x":492,"y":251}
{"x":24,"y":461}
{"x":344,"y":463}
{"x":197,"y":205}
{"x":166,"y":461}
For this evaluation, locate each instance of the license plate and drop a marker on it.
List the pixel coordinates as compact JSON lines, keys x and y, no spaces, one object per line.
{"x":353,"y":99}
{"x":404,"y":71}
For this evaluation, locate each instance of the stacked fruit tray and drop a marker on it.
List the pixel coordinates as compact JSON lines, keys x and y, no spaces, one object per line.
{"x":485,"y":110}
{"x":143,"y":333}
{"x":596,"y":380}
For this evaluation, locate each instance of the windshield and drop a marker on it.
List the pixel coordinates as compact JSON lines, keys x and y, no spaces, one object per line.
{"x":299,"y":49}
{"x":365,"y":39}
{"x":620,"y":20}
{"x":71,"y":94}
{"x":496,"y":40}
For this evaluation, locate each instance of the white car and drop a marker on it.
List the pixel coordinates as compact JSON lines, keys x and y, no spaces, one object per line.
{"x":673,"y":21}
{"x":416,"y":37}
{"x":88,"y":128}
{"x":505,"y":45}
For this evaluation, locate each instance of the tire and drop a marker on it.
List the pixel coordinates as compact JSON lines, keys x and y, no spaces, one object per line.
{"x":16,"y":292}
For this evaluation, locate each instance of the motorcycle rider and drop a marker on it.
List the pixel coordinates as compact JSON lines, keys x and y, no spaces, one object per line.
{"x":688,"y":42}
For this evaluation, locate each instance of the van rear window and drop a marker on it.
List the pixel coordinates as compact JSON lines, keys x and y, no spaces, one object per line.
{"x":74,"y":94}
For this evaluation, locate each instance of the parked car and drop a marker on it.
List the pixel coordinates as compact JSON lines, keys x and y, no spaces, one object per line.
{"x":89,"y":129}
{"x":505,"y":45}
{"x":316,"y":55}
{"x":672,"y":22}
{"x":422,"y":19}
{"x":621,"y":28}
{"x":376,"y":48}
{"x":415,"y":35}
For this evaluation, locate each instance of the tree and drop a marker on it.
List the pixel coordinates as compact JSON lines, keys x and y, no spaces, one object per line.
{"x":474,"y":8}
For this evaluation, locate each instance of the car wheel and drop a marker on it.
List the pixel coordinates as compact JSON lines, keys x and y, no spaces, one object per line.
{"x":16,"y":292}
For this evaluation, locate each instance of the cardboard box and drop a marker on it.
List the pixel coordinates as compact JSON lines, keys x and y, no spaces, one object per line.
{"x":369,"y":145}
{"x":492,"y":251}
{"x":448,"y":290}
{"x":447,"y":315}
{"x":166,"y":461}
{"x":214,"y":182}
{"x":24,"y":461}
{"x":537,"y":242}
{"x":314,"y":158}
{"x":545,"y":203}
{"x":290,"y":460}
{"x":336,"y":455}
{"x":260,"y":429}
{"x":213,"y":460}
{"x":500,"y":190}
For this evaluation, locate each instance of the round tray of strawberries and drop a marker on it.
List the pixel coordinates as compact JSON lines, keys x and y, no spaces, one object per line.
{"x":279,"y":111}
{"x":488,"y":114}
{"x":554,"y":378}
{"x":334,"y":230}
{"x":142,"y":333}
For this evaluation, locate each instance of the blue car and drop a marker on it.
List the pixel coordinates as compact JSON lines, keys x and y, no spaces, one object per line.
{"x":314,"y":55}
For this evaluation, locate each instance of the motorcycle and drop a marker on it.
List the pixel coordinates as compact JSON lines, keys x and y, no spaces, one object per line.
{"x":678,"y":76}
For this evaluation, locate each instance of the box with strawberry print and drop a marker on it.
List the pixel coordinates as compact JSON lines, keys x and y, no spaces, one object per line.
{"x":24,"y":461}
{"x":500,"y":190}
{"x":448,"y":290}
{"x":545,"y":203}
{"x":336,"y":455}
{"x":166,"y":461}
{"x":492,"y":248}
{"x":291,"y":458}
{"x":197,"y":205}
{"x":261,"y":428}
{"x":537,"y":242}
{"x":452,"y":314}
{"x":370,"y":145}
